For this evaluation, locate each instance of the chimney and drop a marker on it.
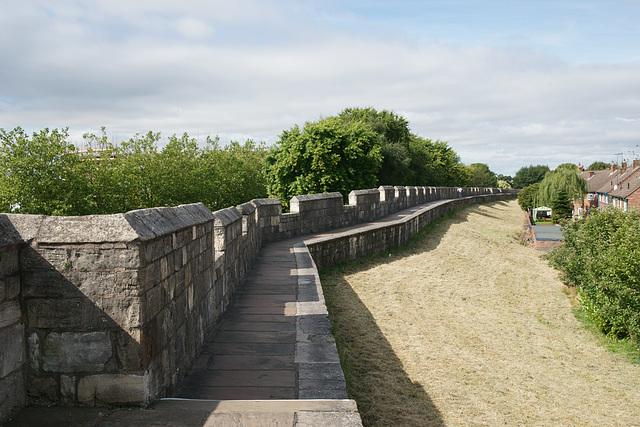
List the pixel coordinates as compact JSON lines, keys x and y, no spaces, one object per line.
{"x":580,"y":167}
{"x":624,"y":166}
{"x":613,"y":167}
{"x":591,"y":174}
{"x":636,"y":163}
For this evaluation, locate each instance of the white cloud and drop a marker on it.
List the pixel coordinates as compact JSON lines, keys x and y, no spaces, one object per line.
{"x":255,"y":69}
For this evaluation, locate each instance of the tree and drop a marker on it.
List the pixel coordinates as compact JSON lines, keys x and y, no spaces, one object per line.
{"x":561,"y":206}
{"x":394,"y":140}
{"x":529,"y":175}
{"x":328,"y":155}
{"x":527,"y":197}
{"x":38,"y":176}
{"x":598,"y":166}
{"x":562,"y":179}
{"x":482,"y":176}
{"x":504,"y":184}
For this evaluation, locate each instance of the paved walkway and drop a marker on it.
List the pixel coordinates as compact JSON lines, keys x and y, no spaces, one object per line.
{"x":252,"y":356}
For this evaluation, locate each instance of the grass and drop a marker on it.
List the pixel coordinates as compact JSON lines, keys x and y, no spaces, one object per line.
{"x":464,"y":326}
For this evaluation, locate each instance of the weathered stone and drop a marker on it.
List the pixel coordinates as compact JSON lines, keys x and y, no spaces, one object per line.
{"x":45,"y":284}
{"x":343,"y":419}
{"x":42,"y":390}
{"x":10,"y":313}
{"x":76,"y":351}
{"x":68,"y":388}
{"x":123,"y":309}
{"x":34,"y":351}
{"x":13,"y":394}
{"x":103,"y":259}
{"x":86,"y":229}
{"x":8,"y":261}
{"x":34,"y":258}
{"x":11,"y":287}
{"x":111,"y":388}
{"x":12,"y":345}
{"x":129,"y":350}
{"x":55,"y":313}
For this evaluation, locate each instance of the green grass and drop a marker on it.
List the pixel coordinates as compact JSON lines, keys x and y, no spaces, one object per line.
{"x":625,"y":348}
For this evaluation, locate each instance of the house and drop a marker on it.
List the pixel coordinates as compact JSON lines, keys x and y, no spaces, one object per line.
{"x":617,"y":187}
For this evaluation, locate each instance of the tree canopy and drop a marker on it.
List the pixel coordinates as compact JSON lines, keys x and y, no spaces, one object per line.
{"x":562,"y":180}
{"x":598,"y":166}
{"x":325,"y":156}
{"x":482,"y":176}
{"x":527,"y":198}
{"x":528,"y":175}
{"x":359,"y":148}
{"x":44,"y":174}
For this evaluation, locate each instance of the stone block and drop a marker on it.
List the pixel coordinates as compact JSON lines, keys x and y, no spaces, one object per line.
{"x":12,"y":343}
{"x":343,"y":419}
{"x":124,"y":310}
{"x":86,"y":229}
{"x":34,"y":351}
{"x":129,"y":350}
{"x":112,"y":388}
{"x":42,"y":390}
{"x":68,"y":388}
{"x":76,"y":351}
{"x":12,"y":390}
{"x":48,"y":313}
{"x":43,"y":258}
{"x":45,"y":284}
{"x":104,"y":259}
{"x":8,"y":262}
{"x":11,"y":287}
{"x":10,"y":313}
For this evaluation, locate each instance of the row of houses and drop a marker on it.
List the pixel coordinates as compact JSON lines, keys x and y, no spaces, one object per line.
{"x":618,"y":187}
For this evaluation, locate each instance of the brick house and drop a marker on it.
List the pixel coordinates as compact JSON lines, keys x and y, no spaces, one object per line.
{"x":613,"y":186}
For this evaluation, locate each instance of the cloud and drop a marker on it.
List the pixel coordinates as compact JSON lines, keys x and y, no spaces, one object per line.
{"x":254,"y":69}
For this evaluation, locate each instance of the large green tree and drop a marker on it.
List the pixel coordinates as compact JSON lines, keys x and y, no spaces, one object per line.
{"x":562,"y":179}
{"x":528,"y":175}
{"x":482,"y":176}
{"x":325,"y":156}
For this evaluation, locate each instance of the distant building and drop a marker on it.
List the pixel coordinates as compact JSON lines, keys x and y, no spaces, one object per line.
{"x":611,"y":187}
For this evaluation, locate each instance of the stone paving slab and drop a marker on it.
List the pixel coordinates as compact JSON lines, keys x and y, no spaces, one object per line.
{"x":209,"y":413}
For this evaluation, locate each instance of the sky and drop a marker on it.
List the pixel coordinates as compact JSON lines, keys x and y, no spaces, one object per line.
{"x":509,"y":84}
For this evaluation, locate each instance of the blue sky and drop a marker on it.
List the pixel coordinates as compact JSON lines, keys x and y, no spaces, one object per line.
{"x":505,"y":83}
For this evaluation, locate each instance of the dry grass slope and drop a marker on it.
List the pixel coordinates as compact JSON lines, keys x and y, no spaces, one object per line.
{"x":468,"y":327}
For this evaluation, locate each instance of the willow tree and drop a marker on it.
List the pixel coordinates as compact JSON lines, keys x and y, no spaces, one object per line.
{"x":563,"y":180}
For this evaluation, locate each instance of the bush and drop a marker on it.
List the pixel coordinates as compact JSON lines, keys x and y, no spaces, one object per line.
{"x":601,"y":257}
{"x":44,"y":174}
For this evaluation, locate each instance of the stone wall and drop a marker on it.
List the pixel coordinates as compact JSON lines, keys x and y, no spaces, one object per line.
{"x":337,"y":248}
{"x":113,"y":309}
{"x":12,"y":342}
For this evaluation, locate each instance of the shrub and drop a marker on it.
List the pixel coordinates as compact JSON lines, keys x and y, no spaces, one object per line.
{"x":601,"y":257}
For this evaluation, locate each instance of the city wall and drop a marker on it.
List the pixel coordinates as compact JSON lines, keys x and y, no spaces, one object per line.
{"x":113,"y":309}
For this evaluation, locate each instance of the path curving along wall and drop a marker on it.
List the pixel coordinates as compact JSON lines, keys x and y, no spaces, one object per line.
{"x":113,"y":309}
